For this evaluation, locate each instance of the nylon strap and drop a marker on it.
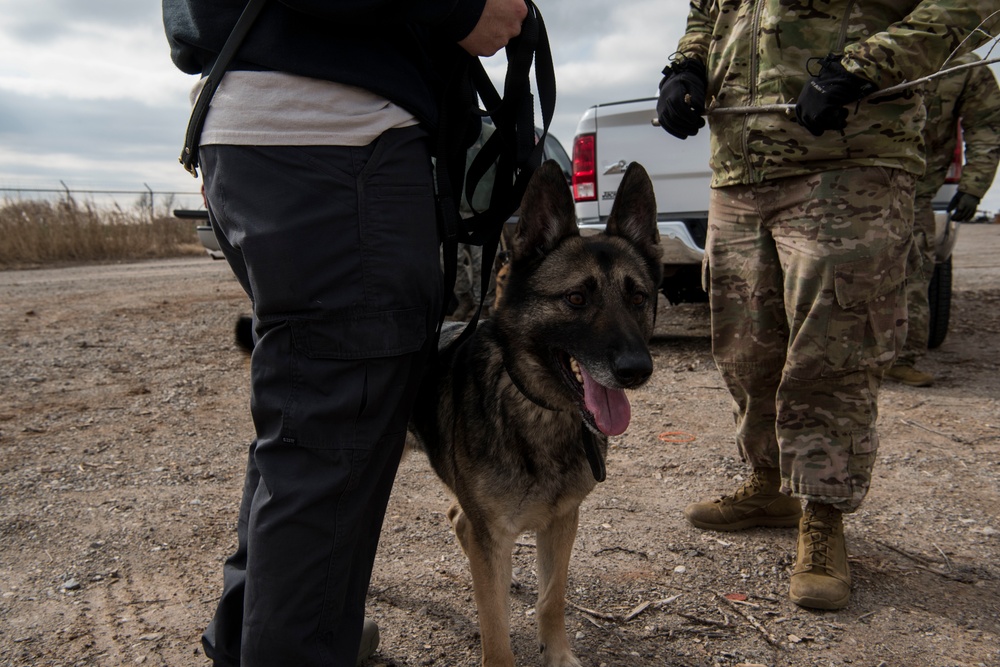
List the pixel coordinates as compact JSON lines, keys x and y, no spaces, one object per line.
{"x":189,"y":154}
{"x":513,"y":148}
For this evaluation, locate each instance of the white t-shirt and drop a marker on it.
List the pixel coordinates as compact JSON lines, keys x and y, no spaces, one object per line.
{"x":279,"y":109}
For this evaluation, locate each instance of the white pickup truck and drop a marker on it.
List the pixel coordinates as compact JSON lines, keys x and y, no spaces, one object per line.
{"x":611,"y":136}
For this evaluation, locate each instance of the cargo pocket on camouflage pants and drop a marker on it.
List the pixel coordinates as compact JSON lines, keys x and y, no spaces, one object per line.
{"x":869,"y":327}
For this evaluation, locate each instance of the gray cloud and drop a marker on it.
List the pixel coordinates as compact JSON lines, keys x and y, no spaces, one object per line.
{"x":573,"y":24}
{"x":44,"y":22}
{"x":96,"y":128}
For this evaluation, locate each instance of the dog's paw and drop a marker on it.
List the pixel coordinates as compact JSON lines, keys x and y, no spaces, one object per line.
{"x":559,"y":658}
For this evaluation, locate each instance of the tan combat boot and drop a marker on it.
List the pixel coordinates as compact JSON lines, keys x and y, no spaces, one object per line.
{"x":909,"y":375}
{"x":759,"y":502}
{"x":821,"y":578}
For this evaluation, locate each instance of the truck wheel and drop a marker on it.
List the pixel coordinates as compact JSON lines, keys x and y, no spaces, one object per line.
{"x":683,"y":285}
{"x":939,"y":299}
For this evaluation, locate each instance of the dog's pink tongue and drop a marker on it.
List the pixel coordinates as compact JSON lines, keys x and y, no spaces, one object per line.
{"x":610,"y":407}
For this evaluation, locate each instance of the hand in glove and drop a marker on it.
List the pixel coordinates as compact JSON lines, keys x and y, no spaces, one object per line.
{"x":822,"y":103}
{"x":682,"y":98}
{"x":963,"y":206}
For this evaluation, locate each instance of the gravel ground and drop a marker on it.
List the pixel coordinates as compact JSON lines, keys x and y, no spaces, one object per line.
{"x":123,"y":428}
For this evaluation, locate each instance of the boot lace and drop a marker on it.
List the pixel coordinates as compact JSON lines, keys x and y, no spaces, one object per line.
{"x":818,"y":533}
{"x":751,"y":487}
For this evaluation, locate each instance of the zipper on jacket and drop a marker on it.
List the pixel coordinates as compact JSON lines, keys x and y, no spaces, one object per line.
{"x":754,"y":66}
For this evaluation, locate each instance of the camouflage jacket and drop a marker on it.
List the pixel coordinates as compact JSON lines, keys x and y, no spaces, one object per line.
{"x":757,"y":52}
{"x":972,"y":97}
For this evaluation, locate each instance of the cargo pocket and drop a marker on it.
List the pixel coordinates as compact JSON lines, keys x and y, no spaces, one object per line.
{"x":870,"y":323}
{"x":338,"y":364}
{"x":361,"y":336}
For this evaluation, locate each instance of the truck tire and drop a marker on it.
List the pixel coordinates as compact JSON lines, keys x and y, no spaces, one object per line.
{"x":683,"y":285}
{"x":939,"y":299}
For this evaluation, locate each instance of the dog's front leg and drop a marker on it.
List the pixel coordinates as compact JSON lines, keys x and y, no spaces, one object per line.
{"x":555,"y":544}
{"x":490,"y":554}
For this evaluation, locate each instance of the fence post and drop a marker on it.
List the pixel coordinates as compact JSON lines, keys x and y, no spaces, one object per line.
{"x":151,"y":216}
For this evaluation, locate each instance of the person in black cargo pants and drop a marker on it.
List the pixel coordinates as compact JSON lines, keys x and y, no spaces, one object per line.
{"x":338,"y":355}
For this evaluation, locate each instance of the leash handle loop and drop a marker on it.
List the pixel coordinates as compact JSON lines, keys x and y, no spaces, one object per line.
{"x":514,"y":147}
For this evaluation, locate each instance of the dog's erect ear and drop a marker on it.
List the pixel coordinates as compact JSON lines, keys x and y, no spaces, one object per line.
{"x":633,"y":215}
{"x":547,"y":213}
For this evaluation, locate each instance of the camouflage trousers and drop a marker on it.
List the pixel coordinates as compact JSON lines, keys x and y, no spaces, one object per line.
{"x":918,"y":278}
{"x":805,"y":278}
{"x":470,"y":271}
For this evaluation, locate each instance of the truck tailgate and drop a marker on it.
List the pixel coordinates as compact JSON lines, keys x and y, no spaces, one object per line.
{"x":678,"y":168}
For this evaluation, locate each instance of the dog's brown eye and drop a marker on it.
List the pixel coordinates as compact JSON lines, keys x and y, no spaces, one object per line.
{"x":638,"y":299}
{"x":576,"y":299}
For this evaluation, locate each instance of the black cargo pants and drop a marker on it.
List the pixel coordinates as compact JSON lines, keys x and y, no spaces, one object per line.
{"x":337,"y":248}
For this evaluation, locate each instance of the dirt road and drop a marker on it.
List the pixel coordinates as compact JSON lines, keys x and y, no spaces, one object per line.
{"x":123,"y":427}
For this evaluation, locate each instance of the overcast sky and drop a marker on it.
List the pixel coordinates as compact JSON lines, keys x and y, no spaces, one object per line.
{"x":89,"y":97}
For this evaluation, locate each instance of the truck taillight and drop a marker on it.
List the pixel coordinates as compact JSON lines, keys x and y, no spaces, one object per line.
{"x":955,"y":169}
{"x":584,"y":168}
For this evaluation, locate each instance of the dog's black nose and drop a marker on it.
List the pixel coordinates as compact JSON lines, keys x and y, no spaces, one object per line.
{"x":633,"y":367}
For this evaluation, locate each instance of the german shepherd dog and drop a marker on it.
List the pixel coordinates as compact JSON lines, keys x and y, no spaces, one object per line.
{"x":515,"y":418}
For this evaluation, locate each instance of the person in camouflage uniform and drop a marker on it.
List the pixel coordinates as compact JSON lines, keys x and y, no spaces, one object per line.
{"x":969,"y":98}
{"x":810,"y":225}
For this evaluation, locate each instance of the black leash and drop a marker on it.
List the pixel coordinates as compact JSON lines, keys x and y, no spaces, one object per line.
{"x":592,"y":448}
{"x":189,"y":154}
{"x":523,"y":388}
{"x":513,"y":148}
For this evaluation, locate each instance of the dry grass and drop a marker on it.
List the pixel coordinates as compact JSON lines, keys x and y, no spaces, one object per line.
{"x":38,"y":233}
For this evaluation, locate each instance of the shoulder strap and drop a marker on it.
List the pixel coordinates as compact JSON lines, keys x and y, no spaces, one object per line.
{"x":189,"y":155}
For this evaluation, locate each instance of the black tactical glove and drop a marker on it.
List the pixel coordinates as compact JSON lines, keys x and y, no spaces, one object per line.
{"x":682,"y":98}
{"x":963,"y":206}
{"x":821,"y":104}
